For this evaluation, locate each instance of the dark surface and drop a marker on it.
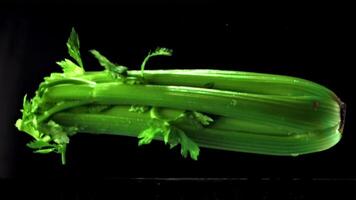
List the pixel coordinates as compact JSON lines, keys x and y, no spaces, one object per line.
{"x":312,"y":43}
{"x":177,"y":190}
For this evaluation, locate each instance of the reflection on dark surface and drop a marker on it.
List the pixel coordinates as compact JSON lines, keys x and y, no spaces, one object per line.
{"x":32,"y":40}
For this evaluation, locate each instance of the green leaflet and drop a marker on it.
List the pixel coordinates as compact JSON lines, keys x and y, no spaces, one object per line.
{"x":187,"y":145}
{"x":28,"y":122}
{"x":156,"y":128}
{"x":73,"y":46}
{"x":70,"y":68}
{"x":115,"y":71}
{"x":157,"y":52}
{"x":194,"y":119}
{"x":38,"y":144}
{"x":201,"y":118}
{"x":171,"y":134}
{"x":49,"y":136}
{"x":60,"y":137}
{"x":41,"y":146}
{"x":49,"y":150}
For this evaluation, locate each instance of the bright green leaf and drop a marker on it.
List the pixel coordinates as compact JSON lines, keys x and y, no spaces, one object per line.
{"x":114,"y":70}
{"x":156,"y":128}
{"x":74,"y":46}
{"x":157,"y":52}
{"x":187,"y":145}
{"x":161,"y":51}
{"x":38,"y":144}
{"x":70,"y":68}
{"x":202,"y":118}
{"x":148,"y":135}
{"x":44,"y":151}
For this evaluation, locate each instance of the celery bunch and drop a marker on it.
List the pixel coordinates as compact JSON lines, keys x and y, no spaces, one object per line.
{"x":228,"y":110}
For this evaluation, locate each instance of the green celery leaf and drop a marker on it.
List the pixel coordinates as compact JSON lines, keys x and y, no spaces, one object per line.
{"x":148,"y":135}
{"x":187,"y":145}
{"x":114,"y":70}
{"x":160,"y":51}
{"x":38,"y":144}
{"x":56,"y":131}
{"x":174,"y":138}
{"x":202,"y":118}
{"x":171,"y":134}
{"x":70,"y":68}
{"x":194,"y":119}
{"x":74,"y":46}
{"x":28,"y":123}
{"x":44,"y":151}
{"x":156,"y":128}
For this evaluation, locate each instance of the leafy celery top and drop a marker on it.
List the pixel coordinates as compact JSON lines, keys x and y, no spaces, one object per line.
{"x":50,"y":136}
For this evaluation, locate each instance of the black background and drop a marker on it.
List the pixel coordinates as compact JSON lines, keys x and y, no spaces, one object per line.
{"x":311,"y":42}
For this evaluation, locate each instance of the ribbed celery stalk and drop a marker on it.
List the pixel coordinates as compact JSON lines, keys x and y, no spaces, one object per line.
{"x":121,"y":121}
{"x":304,"y":112}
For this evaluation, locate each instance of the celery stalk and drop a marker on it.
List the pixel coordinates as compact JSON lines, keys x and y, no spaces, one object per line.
{"x":227,"y":110}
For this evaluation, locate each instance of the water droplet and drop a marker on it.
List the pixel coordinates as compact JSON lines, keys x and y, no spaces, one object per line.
{"x":294,"y":154}
{"x":233,"y":102}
